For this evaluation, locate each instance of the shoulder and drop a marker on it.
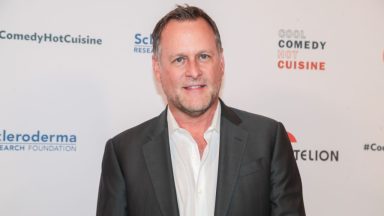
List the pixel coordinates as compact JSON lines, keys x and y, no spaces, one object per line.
{"x":248,"y":117}
{"x":254,"y":124}
{"x":141,"y":133}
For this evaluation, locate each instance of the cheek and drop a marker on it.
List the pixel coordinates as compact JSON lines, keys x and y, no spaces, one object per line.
{"x":217,"y":76}
{"x":169,"y":82}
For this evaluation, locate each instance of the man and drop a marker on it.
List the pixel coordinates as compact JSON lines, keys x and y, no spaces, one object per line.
{"x":199,"y":157}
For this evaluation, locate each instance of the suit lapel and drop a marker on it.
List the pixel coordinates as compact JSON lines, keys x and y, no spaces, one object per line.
{"x":233,"y":140}
{"x":158,"y":160}
{"x":157,"y":156}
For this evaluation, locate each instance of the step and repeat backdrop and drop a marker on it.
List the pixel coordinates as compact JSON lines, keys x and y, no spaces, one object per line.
{"x":75,"y":73}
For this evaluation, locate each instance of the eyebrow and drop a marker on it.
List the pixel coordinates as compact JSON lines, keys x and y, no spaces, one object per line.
{"x":182,"y":54}
{"x":171,"y":57}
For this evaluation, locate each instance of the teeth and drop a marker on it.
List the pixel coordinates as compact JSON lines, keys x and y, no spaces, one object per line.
{"x":194,"y":87}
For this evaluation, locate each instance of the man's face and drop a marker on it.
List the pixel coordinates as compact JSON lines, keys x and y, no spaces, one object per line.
{"x":189,"y":66}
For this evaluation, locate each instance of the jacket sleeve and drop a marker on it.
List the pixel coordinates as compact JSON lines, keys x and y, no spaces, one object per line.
{"x":112,"y":200}
{"x":286,"y":197}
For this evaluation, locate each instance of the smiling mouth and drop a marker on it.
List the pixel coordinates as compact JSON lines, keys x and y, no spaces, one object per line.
{"x":192,"y":87}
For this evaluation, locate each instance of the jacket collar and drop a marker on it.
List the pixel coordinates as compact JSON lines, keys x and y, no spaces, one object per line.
{"x":157,"y":156}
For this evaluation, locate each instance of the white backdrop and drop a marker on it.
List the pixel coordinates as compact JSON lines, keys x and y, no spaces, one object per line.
{"x":60,"y":101}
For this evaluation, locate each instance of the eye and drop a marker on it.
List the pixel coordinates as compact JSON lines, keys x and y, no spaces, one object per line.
{"x":179,"y":59}
{"x":204,"y":56}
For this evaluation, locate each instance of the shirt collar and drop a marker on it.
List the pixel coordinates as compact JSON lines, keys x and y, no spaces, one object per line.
{"x":215,"y":124}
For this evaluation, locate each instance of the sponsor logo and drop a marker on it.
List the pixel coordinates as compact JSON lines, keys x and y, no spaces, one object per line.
{"x":373,"y":147}
{"x":292,"y":47}
{"x":50,"y":38}
{"x":37,"y":142}
{"x":313,"y":154}
{"x":292,"y":138}
{"x":143,"y":43}
{"x":316,"y":155}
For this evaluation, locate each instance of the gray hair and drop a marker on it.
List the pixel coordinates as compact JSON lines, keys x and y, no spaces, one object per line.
{"x":183,"y":13}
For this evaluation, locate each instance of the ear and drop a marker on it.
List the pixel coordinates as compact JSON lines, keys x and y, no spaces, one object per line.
{"x":156,"y":67}
{"x":222,"y":61}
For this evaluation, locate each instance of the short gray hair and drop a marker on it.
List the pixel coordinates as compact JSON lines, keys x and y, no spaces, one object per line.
{"x":183,"y":13}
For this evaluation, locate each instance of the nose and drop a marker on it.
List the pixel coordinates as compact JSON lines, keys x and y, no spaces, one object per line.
{"x":193,"y":70}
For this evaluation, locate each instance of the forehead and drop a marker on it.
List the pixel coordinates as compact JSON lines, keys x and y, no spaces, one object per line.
{"x":198,"y":22}
{"x":186,"y":32}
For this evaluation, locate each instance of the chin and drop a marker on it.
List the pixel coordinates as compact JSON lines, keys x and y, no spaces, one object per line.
{"x":196,"y":109}
{"x":194,"y":106}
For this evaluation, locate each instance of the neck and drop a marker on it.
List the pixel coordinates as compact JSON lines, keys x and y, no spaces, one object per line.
{"x":194,"y":124}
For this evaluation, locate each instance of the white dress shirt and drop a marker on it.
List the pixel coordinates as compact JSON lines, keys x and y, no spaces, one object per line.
{"x":195,"y":178}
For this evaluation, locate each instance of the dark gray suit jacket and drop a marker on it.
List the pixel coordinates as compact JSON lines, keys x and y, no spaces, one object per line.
{"x":257,"y":173}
